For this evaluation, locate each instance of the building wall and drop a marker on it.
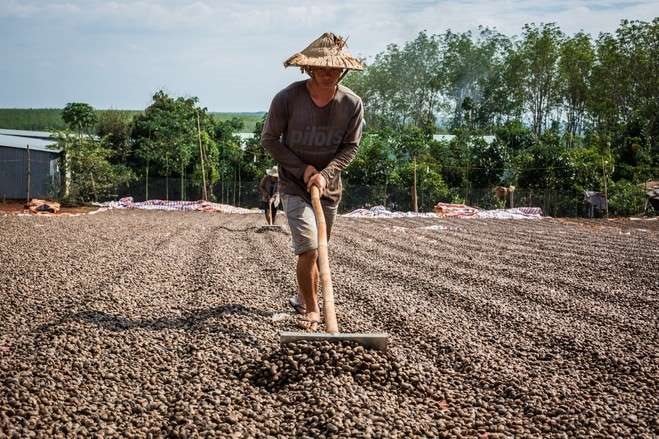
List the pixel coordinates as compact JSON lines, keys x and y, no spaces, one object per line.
{"x":13,"y":173}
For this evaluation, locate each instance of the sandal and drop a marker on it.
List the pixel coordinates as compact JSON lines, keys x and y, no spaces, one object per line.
{"x":297,"y":306}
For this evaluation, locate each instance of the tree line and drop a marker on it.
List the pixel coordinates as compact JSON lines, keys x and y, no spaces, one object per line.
{"x":50,"y":119}
{"x":174,"y":145}
{"x":568,"y":113}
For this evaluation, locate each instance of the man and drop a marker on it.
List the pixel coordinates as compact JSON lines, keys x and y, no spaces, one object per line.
{"x":312,"y":131}
{"x":269,"y":190}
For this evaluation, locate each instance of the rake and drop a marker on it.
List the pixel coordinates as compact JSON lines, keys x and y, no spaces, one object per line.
{"x":372,"y":340}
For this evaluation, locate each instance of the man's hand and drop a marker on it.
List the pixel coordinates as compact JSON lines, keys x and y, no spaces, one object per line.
{"x":309,"y":172}
{"x":317,"y":180}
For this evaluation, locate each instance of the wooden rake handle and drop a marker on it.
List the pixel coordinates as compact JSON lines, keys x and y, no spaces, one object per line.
{"x":331,"y":325}
{"x":270,"y":212}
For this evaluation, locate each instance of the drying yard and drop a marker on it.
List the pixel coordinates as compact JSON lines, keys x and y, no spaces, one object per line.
{"x":151,"y":324}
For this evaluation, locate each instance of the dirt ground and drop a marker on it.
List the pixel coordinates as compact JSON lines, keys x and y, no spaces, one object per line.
{"x":133,"y":323}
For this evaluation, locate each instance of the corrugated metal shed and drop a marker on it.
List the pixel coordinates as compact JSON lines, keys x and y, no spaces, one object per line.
{"x":14,"y":164}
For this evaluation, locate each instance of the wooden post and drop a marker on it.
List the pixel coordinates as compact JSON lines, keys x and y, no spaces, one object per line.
{"x":29,"y":173}
{"x":606,"y":191}
{"x":146,"y":182}
{"x":201,"y":155}
{"x":209,"y":186}
{"x":234,"y":186}
{"x":414,"y":196}
{"x":66,"y":163}
{"x":182,"y":181}
{"x":240,"y":160}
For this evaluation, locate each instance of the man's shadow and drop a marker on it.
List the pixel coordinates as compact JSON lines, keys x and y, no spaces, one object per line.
{"x":195,"y":320}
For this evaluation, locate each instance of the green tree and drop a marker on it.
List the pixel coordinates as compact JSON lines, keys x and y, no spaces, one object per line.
{"x":87,"y":172}
{"x":231,"y":157}
{"x":79,"y":117}
{"x":371,"y":171}
{"x":470,"y":68}
{"x":115,"y":127}
{"x":256,"y":159}
{"x":546,"y":164}
{"x":412,"y":144}
{"x":577,"y":57}
{"x":540,"y":51}
{"x":403,"y":84}
{"x":624,"y":101}
{"x":502,"y":92}
{"x":167,"y":138}
{"x":488,"y":162}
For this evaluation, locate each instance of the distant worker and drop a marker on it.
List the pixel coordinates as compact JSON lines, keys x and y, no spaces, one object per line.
{"x":313,"y":129}
{"x":269,"y":190}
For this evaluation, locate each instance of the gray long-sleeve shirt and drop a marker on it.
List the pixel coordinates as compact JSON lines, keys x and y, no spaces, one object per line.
{"x":298,"y":133}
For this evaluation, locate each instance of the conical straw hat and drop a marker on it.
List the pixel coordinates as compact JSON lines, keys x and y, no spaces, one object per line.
{"x":327,"y":51}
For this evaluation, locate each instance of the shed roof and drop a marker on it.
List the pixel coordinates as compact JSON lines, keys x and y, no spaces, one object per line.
{"x":36,"y":144}
{"x":24,"y":133}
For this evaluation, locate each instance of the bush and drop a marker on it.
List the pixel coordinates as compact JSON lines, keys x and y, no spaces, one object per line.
{"x":625,"y":198}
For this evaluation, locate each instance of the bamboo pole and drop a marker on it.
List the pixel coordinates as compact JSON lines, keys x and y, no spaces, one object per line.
{"x":29,"y":173}
{"x":331,"y":324}
{"x":606,"y":190}
{"x":414,"y":194}
{"x":182,"y":181}
{"x":146,"y":182}
{"x":201,"y":155}
{"x":209,"y":186}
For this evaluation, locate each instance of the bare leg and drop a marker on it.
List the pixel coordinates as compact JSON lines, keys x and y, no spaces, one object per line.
{"x":307,"y":279}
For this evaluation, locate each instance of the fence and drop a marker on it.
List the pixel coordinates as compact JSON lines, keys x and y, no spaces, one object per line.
{"x":552,"y":202}
{"x":245,"y":194}
{"x":13,"y":184}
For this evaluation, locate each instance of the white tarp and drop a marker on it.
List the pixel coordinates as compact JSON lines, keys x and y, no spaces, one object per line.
{"x":451,"y":211}
{"x":204,"y":206}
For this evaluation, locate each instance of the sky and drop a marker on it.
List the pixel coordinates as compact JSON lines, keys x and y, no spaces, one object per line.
{"x":117,"y":54}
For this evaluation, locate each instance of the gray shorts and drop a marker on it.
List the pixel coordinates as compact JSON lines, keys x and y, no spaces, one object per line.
{"x":302,"y":222}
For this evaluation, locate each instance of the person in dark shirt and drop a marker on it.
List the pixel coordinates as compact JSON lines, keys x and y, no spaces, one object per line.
{"x":269,"y":190}
{"x":312,"y":131}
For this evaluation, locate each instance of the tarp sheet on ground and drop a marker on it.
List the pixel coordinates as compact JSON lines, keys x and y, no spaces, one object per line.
{"x":200,"y":205}
{"x":382,"y":212}
{"x":447,"y":210}
{"x":515,"y":213}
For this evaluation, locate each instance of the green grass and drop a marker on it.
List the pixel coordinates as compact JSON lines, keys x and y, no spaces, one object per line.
{"x":249,"y":119}
{"x":36,"y":119}
{"x":50,"y":119}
